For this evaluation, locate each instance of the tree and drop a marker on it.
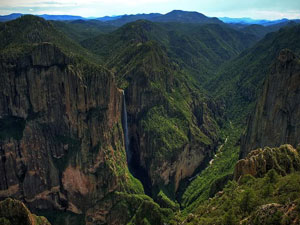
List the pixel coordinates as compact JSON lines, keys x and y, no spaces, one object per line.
{"x":248,"y":201}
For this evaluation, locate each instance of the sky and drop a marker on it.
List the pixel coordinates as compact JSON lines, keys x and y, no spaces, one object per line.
{"x":256,"y":9}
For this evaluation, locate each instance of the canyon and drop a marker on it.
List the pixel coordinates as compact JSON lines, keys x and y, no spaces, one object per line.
{"x":146,"y":123}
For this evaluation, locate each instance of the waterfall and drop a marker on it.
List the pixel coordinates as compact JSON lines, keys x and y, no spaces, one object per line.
{"x":125,"y":130}
{"x":132,"y":161}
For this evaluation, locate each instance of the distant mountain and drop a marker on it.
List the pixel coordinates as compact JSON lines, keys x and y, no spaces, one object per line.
{"x":108,"y":18}
{"x":174,"y":16}
{"x":178,"y":16}
{"x":200,"y":48}
{"x":10,"y":17}
{"x":244,"y":20}
{"x":274,"y":22}
{"x":186,"y":17}
{"x":260,"y":31}
{"x":45,"y":16}
{"x":251,"y":21}
{"x":61,"y":17}
{"x":241,"y":22}
{"x":121,"y":20}
{"x":86,"y":105}
{"x":239,"y":81}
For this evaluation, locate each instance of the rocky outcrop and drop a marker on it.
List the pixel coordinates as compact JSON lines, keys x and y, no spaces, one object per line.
{"x":61,"y":139}
{"x":275,"y":214}
{"x":172,"y":128}
{"x":14,"y":212}
{"x":283,"y":160}
{"x":276,"y":117}
{"x":173,"y":131}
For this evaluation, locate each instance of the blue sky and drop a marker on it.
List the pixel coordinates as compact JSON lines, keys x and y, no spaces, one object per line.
{"x":257,"y":9}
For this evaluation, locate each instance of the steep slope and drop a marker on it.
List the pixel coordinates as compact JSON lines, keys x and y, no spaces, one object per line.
{"x":14,"y":212}
{"x":260,"y":30}
{"x":52,"y":111}
{"x":61,"y":139}
{"x":276,"y":117}
{"x":280,"y":91}
{"x":172,"y":126}
{"x":79,"y":30}
{"x":239,"y":81}
{"x":215,"y":176}
{"x":204,"y":48}
{"x":283,"y":160}
{"x":199,"y":49}
{"x":17,"y":34}
{"x":270,"y":196}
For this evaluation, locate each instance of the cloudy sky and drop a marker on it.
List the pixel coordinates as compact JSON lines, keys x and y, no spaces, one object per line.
{"x":258,"y":9}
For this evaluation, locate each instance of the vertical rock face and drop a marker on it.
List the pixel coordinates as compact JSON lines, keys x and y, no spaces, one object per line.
{"x":172,"y":129}
{"x":276,"y":117}
{"x":61,"y":140}
{"x":172,"y":124}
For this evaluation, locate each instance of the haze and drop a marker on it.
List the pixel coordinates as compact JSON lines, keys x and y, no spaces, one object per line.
{"x":257,"y":9}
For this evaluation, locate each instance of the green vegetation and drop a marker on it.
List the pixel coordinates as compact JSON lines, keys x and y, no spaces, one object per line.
{"x":198,"y":49}
{"x":165,"y":202}
{"x":79,"y":30}
{"x":221,"y":169}
{"x":141,"y":209}
{"x":260,"y":200}
{"x":21,"y":35}
{"x":169,"y":133}
{"x":14,"y":212}
{"x":240,"y":80}
{"x":173,"y":105}
{"x":168,"y":72}
{"x":60,"y":218}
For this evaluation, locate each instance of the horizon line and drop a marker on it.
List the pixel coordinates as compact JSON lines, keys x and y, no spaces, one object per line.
{"x":95,"y":17}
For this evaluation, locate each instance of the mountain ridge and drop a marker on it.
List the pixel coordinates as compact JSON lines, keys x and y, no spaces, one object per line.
{"x":156,"y":17}
{"x":61,"y":139}
{"x":240,"y":80}
{"x":66,"y":86}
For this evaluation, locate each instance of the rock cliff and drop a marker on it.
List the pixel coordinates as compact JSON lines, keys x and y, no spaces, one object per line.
{"x":172,"y":128}
{"x":275,"y":120}
{"x":61,"y":138}
{"x":283,"y":160}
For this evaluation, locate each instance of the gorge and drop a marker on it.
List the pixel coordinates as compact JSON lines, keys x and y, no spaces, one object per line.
{"x":144,"y":121}
{"x":125,"y":130}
